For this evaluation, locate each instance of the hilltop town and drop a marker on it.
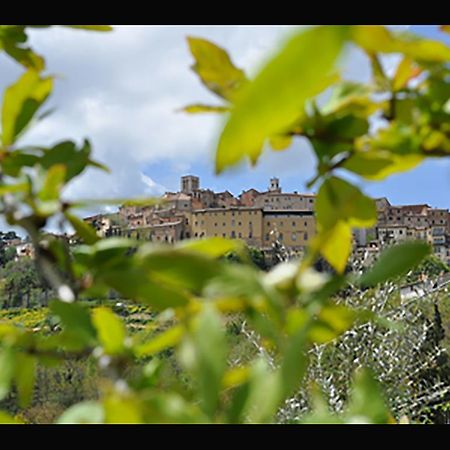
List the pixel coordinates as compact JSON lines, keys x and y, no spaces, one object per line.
{"x":262,"y":218}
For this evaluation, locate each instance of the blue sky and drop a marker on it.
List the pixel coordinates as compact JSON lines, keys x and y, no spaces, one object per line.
{"x":123,"y":89}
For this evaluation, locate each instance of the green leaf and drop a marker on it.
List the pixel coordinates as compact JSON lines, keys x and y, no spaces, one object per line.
{"x":122,"y":409}
{"x":25,"y":56}
{"x":335,"y":244}
{"x":164,"y":340}
{"x":91,"y":27}
{"x":84,"y":412}
{"x":178,"y":268}
{"x":344,"y":94}
{"x":339,"y":200}
{"x":83,"y":229}
{"x":395,"y":261}
{"x":295,"y":361}
{"x":7,"y":367}
{"x":199,"y":108}
{"x":379,"y":164}
{"x":13,"y":188}
{"x":380,"y":79}
{"x":215,"y":68}
{"x":280,"y":142}
{"x":211,"y":358}
{"x":137,"y":283}
{"x":66,"y":152}
{"x":379,"y":39}
{"x":5,"y":418}
{"x":275,"y":99}
{"x":211,"y":247}
{"x":76,"y":320}
{"x":110,"y":329}
{"x":25,"y":374}
{"x":367,"y":404}
{"x":21,"y":101}
{"x":54,"y":181}
{"x":406,"y":70}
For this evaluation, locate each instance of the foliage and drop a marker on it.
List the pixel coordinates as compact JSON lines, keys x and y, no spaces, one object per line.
{"x":189,"y":287}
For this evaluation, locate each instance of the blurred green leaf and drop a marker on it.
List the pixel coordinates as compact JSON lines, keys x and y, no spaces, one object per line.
{"x":215,"y":68}
{"x":379,"y":164}
{"x":280,"y":142}
{"x":91,"y":27}
{"x":122,"y":409}
{"x":110,"y":330}
{"x":367,"y":404}
{"x":21,"y":101}
{"x":199,"y":108}
{"x":406,"y":70}
{"x":5,"y":418}
{"x":24,"y":376}
{"x":162,"y":341}
{"x":54,"y":181}
{"x":310,"y":55}
{"x":84,"y":412}
{"x":339,"y":200}
{"x":7,"y":368}
{"x":211,"y":357}
{"x":335,"y":244}
{"x":379,"y":39}
{"x":213,"y":247}
{"x":395,"y":261}
{"x":295,"y":361}
{"x":76,"y":320}
{"x":66,"y":152}
{"x":83,"y":229}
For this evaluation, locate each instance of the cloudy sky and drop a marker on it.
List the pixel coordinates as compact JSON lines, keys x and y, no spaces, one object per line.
{"x":123,"y":90}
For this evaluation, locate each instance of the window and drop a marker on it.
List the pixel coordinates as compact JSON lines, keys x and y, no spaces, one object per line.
{"x":305,"y":236}
{"x":223,"y":224}
{"x":232,"y":223}
{"x":306,"y":223}
{"x":224,"y":235}
{"x":293,"y":224}
{"x":250,"y":234}
{"x":267,"y":237}
{"x":196,"y":222}
{"x":294,"y":236}
{"x":239,"y":223}
{"x":281,"y":236}
{"x":215,"y":224}
{"x":240,"y":235}
{"x":281,"y":223}
{"x":233,"y":234}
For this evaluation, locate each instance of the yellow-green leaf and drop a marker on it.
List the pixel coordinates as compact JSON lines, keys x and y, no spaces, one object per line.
{"x":379,"y":39}
{"x":335,"y":245}
{"x":53,"y":183}
{"x":110,"y":329}
{"x":273,"y":101}
{"x":5,"y":418}
{"x":215,"y":68}
{"x":21,"y":101}
{"x":280,"y":142}
{"x":83,"y":229}
{"x":199,"y":108}
{"x":24,"y":377}
{"x":406,"y":70}
{"x":164,"y":340}
{"x":91,"y":27}
{"x":339,"y":200}
{"x":379,"y":164}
